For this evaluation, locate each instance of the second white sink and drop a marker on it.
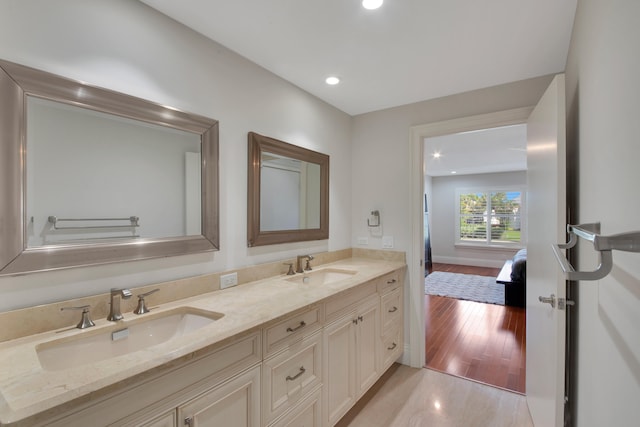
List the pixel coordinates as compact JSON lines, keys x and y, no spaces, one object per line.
{"x":122,"y":338}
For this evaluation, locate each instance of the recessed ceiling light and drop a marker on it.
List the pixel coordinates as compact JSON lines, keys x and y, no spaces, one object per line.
{"x":371,"y":4}
{"x":454,"y":172}
{"x":332,"y":80}
{"x":436,"y":155}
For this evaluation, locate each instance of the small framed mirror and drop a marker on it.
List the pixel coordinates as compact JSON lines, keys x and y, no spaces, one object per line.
{"x":90,"y":176}
{"x":288,"y":193}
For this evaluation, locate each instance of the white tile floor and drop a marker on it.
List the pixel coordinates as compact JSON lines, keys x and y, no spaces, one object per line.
{"x":410,"y":397}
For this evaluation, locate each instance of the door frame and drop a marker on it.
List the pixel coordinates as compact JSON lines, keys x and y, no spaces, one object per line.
{"x":416,"y":310}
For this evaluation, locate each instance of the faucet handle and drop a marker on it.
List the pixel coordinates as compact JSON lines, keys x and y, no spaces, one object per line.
{"x":86,"y":321}
{"x":290,"y":272}
{"x":308,"y":266}
{"x":142,"y":306}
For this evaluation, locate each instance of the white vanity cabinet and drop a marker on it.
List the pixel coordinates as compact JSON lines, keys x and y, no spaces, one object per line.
{"x":306,"y":368}
{"x":352,"y":348}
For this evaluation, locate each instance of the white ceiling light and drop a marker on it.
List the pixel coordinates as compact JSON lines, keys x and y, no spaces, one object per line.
{"x":371,"y":4}
{"x":332,"y":80}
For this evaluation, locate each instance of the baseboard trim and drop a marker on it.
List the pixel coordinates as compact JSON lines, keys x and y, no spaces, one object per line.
{"x":476,"y":262}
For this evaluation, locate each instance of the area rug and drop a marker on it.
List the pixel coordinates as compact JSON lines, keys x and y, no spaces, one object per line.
{"x":464,"y":286}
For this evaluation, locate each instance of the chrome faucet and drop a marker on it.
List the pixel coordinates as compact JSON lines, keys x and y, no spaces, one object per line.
{"x":116,"y":294}
{"x":307,"y":267}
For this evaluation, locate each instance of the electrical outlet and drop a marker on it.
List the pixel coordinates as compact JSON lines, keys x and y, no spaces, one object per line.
{"x":387,"y":242}
{"x":228,"y":280}
{"x":363,"y":241}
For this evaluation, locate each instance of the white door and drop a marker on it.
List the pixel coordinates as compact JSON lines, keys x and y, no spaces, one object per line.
{"x":546,"y":181}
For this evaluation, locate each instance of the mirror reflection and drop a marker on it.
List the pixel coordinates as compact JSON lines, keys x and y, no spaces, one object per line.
{"x":89,"y":176}
{"x":288,"y":193}
{"x":93,"y":176}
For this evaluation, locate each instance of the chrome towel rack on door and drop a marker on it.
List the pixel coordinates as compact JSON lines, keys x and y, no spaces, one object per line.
{"x":628,"y":242}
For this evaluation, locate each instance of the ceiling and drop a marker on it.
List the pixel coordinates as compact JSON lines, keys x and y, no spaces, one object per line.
{"x":502,"y":149}
{"x":404,"y":52}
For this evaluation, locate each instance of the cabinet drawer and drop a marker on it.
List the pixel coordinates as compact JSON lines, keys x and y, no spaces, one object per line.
{"x":290,"y":375}
{"x":392,"y":348}
{"x":291,"y":329}
{"x":390,"y":281}
{"x":336,"y":306}
{"x":391,"y":309}
{"x":304,"y":414}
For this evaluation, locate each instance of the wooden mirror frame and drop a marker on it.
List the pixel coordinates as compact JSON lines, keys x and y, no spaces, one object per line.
{"x":255,"y":237}
{"x":16,"y":83}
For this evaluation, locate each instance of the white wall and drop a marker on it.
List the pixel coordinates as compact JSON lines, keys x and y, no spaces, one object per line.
{"x":128,"y":47}
{"x":603,"y":103}
{"x":381,"y":166}
{"x":443,"y":218}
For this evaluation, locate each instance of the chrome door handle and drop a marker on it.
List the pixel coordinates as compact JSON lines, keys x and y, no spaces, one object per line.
{"x":551,"y":300}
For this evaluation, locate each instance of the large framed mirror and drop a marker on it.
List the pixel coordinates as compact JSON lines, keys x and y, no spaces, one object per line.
{"x":288,"y":193}
{"x":91,"y":176}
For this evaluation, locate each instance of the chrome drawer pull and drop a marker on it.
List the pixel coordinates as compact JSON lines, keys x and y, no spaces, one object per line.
{"x":296,"y":376}
{"x":301,"y":325}
{"x":392,"y":347}
{"x":391,"y":281}
{"x":394,"y":309}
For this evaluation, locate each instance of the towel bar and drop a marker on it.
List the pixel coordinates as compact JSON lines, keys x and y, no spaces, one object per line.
{"x":628,"y":242}
{"x":133,"y":222}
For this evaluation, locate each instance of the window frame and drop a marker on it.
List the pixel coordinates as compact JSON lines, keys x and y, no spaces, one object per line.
{"x":487,"y":243}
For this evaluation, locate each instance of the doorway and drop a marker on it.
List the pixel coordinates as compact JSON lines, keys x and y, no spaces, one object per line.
{"x":477,"y":185}
{"x":416,"y":300}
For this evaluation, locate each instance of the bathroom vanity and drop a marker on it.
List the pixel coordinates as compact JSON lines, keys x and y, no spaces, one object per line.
{"x":280,"y":351}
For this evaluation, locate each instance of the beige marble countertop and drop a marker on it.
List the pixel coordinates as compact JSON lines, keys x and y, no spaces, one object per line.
{"x":26,"y":389}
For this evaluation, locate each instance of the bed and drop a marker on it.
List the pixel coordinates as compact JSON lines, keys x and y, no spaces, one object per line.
{"x":513,"y":276}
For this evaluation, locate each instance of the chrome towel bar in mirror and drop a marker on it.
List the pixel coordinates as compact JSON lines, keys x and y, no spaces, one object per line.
{"x":628,"y":242}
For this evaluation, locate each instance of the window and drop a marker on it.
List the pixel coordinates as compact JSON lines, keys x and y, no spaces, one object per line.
{"x":492,"y":217}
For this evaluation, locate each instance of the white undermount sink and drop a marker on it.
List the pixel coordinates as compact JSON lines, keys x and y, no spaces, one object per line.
{"x":322,"y":277}
{"x":122,"y":338}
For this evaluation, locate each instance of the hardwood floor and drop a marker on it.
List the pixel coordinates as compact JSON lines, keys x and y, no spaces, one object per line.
{"x":481,"y":342}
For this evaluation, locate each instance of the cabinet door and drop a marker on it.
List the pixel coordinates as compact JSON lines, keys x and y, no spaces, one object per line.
{"x":367,"y":347}
{"x":235,"y":403}
{"x":339,"y":384}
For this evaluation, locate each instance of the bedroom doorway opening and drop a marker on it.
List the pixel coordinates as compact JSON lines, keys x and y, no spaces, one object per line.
{"x":474,"y":198}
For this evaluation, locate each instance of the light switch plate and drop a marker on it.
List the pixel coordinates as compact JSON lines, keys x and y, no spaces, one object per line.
{"x":387,"y":242}
{"x":363,"y":241}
